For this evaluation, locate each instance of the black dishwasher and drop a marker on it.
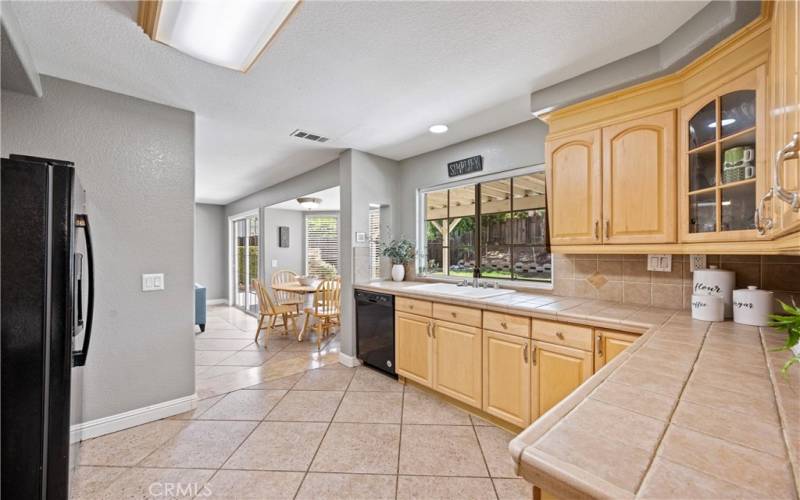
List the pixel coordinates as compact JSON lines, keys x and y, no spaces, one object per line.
{"x":375,"y":330}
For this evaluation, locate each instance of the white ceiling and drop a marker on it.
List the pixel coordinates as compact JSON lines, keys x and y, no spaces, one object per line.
{"x":329,"y":203}
{"x":370,"y":75}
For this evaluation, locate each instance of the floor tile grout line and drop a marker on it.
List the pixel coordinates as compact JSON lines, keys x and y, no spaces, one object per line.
{"x":483,"y":456}
{"x":400,"y":441}
{"x":162,"y":467}
{"x":324,"y":435}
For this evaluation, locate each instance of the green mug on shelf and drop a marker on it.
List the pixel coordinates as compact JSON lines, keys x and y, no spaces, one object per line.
{"x":738,"y":164}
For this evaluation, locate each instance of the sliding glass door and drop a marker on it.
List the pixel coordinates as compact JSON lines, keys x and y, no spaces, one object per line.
{"x":245,"y":262}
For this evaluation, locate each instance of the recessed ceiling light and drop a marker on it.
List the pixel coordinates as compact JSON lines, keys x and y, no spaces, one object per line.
{"x":438,"y":129}
{"x":231,"y":34}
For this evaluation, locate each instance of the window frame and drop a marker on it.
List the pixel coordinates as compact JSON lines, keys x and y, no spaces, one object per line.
{"x":308,"y":215}
{"x":421,"y":225}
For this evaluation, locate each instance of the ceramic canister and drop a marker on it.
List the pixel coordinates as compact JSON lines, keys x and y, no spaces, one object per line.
{"x":752,"y":306}
{"x":708,"y":308}
{"x":716,"y":282}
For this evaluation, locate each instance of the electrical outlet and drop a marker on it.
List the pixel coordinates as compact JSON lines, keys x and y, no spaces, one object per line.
{"x":274,"y":262}
{"x":659,"y":262}
{"x":697,"y":262}
{"x":152,"y":282}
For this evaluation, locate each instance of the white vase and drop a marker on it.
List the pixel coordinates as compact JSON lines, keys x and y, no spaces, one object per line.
{"x":398,"y":272}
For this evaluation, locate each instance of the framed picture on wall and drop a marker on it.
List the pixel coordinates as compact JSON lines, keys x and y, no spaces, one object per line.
{"x":283,"y":236}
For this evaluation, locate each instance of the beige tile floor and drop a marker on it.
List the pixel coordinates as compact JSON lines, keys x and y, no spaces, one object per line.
{"x":324,"y":431}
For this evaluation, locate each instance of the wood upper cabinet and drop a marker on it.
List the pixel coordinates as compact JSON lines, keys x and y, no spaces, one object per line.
{"x":639,"y":192}
{"x":784,"y":104}
{"x":723,"y":161}
{"x":414,"y":347}
{"x":609,"y":344}
{"x":555,"y":372}
{"x":506,"y":377}
{"x":574,"y":188}
{"x":457,"y":361}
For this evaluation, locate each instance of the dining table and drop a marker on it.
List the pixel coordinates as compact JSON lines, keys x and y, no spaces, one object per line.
{"x":304,"y":290}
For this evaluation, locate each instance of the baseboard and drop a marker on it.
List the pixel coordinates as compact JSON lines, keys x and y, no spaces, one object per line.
{"x":132,"y":418}
{"x":214,"y":302}
{"x":347,"y":360}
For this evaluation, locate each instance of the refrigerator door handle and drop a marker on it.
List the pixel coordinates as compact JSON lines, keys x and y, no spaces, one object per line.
{"x":79,"y":357}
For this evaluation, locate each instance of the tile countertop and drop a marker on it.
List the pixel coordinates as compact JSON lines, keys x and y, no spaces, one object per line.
{"x":691,"y":410}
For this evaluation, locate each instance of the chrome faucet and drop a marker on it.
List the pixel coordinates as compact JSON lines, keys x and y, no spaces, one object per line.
{"x":476,"y":277}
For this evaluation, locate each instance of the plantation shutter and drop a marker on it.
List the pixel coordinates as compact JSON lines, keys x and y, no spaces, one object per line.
{"x":374,"y":242}
{"x":322,"y":245}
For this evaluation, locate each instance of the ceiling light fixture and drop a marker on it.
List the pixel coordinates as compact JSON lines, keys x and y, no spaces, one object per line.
{"x":438,"y":129}
{"x":231,"y":34}
{"x":308,"y":202}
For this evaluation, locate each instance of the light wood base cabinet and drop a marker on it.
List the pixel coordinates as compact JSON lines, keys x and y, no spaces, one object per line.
{"x":609,"y":344}
{"x":457,"y":361}
{"x":556,"y":371}
{"x":506,"y":377}
{"x":414,"y":347}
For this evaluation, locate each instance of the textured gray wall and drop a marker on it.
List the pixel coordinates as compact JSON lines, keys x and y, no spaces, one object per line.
{"x":364,"y":179}
{"x":210,"y":249}
{"x":323,"y":177}
{"x":513,"y":147}
{"x":136,"y":162}
{"x":289,"y":259}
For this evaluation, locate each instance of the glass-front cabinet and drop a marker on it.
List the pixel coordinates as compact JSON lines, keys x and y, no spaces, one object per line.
{"x":723,"y":161}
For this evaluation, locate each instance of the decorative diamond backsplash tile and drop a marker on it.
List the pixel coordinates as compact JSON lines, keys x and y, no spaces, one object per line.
{"x":597,"y":280}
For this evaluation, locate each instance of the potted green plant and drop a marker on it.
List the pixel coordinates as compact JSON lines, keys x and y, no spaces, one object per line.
{"x":790,"y":323}
{"x":401,"y":252}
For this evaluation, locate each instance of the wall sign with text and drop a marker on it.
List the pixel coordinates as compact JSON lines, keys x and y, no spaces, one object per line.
{"x":465,"y":166}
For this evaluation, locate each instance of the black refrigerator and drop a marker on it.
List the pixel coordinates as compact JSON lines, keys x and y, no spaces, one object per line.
{"x":47,"y":296}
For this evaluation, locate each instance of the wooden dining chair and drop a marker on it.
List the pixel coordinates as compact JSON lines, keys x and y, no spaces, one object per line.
{"x":269,"y":311}
{"x":326,"y":308}
{"x":287,"y":298}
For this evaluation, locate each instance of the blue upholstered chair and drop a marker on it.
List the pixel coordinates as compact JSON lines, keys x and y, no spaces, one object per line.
{"x":200,"y":306}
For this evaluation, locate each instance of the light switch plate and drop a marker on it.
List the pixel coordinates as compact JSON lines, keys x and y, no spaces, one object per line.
{"x":152,"y":282}
{"x":274,"y":262}
{"x":697,"y":262}
{"x":659,"y":263}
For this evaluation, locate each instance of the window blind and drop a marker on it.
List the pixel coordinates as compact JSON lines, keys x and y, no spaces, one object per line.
{"x":374,"y":242}
{"x":322,"y":245}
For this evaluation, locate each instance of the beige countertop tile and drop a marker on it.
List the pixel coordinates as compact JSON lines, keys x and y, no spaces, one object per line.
{"x":691,"y":410}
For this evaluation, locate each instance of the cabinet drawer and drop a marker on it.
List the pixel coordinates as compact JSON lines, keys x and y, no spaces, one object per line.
{"x":414,"y":306}
{"x":507,"y":323}
{"x":457,"y":314}
{"x":564,"y":334}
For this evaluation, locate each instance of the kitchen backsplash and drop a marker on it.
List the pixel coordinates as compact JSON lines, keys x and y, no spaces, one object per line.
{"x":625,"y":278}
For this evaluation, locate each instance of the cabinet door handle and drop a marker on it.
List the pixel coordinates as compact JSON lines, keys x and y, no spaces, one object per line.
{"x":504,"y":325}
{"x":597,"y":229}
{"x":533,"y":354}
{"x":608,"y":223}
{"x":789,"y":152}
{"x":430,"y":327}
{"x":525,"y":354}
{"x":453,"y":314}
{"x":560,"y":335}
{"x":433,"y":329}
{"x":763,"y":224}
{"x":599,"y":343}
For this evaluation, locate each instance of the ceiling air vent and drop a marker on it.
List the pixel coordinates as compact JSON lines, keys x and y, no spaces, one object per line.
{"x":308,"y":135}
